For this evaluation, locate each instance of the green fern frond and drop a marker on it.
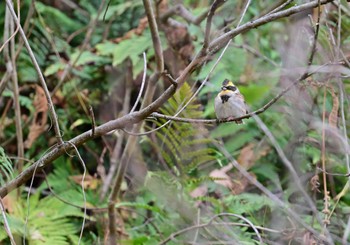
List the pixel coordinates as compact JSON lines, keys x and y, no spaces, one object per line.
{"x":49,"y":221}
{"x":6,"y":170}
{"x":182,"y":145}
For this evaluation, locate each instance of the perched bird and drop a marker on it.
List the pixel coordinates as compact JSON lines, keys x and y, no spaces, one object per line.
{"x":229,"y":103}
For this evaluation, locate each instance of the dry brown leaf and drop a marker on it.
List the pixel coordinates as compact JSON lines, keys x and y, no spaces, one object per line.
{"x":240,"y":183}
{"x":90,"y":182}
{"x":137,"y":31}
{"x":249,"y":155}
{"x":333,"y":116}
{"x":200,"y":191}
{"x":220,"y":176}
{"x":38,"y":125}
{"x":8,"y":202}
{"x":308,"y":239}
{"x":315,"y":183}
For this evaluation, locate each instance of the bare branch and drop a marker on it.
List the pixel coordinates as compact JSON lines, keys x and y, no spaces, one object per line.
{"x":213,"y":8}
{"x":82,"y":189}
{"x":18,"y":120}
{"x":180,"y":10}
{"x":211,"y":121}
{"x":155,"y":35}
{"x":219,"y":42}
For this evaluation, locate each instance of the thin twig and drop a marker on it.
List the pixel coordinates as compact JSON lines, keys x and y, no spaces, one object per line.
{"x":244,"y":12}
{"x":142,"y":84}
{"x":288,"y":164}
{"x":35,"y":167}
{"x":267,"y":192}
{"x":256,"y":53}
{"x":181,"y":11}
{"x":13,"y":34}
{"x":40,"y":75}
{"x":6,"y":224}
{"x":93,"y":121}
{"x":323,"y":160}
{"x":18,"y":121}
{"x":313,"y":49}
{"x":89,"y":32}
{"x":190,"y":99}
{"x":211,"y":222}
{"x":333,"y":174}
{"x":216,"y":4}
{"x":211,"y":121}
{"x":146,"y":104}
{"x":3,"y":81}
{"x":115,"y":156}
{"x":202,"y":84}
{"x":281,"y":6}
{"x":157,"y":45}
{"x":219,"y":42}
{"x":82,"y":189}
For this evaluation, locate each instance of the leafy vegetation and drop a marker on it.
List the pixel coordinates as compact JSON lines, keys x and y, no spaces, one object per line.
{"x":282,"y":177}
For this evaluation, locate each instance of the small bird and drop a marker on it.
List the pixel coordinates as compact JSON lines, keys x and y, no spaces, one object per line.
{"x":229,"y":103}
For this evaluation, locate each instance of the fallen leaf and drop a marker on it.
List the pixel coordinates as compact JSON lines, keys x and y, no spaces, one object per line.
{"x":250,"y":154}
{"x":8,"y":203}
{"x":38,"y":125}
{"x":200,"y":191}
{"x":221,"y":177}
{"x":138,"y":30}
{"x":90,"y":182}
{"x":333,"y":116}
{"x":240,"y":183}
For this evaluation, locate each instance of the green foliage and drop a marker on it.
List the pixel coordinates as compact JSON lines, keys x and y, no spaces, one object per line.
{"x":44,"y":221}
{"x":6,"y":169}
{"x":183,"y":146}
{"x":185,"y":153}
{"x":56,"y":20}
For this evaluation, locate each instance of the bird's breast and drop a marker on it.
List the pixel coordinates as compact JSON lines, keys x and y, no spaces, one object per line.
{"x":224,"y":98}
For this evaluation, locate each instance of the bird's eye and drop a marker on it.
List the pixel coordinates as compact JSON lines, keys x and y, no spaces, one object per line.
{"x":232,"y":88}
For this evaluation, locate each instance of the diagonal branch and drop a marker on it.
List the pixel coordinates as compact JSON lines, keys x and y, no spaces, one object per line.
{"x":138,"y":116}
{"x":220,"y":42}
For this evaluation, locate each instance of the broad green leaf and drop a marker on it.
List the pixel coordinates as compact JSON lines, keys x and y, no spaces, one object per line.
{"x":118,"y":9}
{"x":254,"y":93}
{"x":239,"y":140}
{"x":54,"y":68}
{"x":56,"y":19}
{"x":225,"y":129}
{"x":131,"y":48}
{"x":105,"y":48}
